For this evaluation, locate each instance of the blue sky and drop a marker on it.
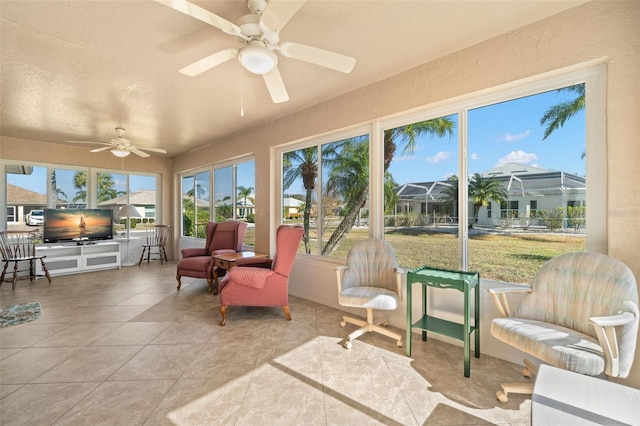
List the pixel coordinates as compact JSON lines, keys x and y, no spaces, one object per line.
{"x":499,"y":133}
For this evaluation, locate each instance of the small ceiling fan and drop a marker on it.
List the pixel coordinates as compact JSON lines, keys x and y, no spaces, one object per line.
{"x":259,"y":35}
{"x":121,"y":147}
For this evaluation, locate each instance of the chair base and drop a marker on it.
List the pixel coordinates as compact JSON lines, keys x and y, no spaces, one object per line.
{"x":524,"y":387}
{"x":369,"y":326}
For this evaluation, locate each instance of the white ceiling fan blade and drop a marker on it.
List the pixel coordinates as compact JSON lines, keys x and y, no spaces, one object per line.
{"x":279,"y":12}
{"x":275,"y":85}
{"x":94,"y":143}
{"x":321,"y":57}
{"x":137,"y":151}
{"x":148,"y":148}
{"x":104,"y":148}
{"x":203,"y":15}
{"x":209,"y":62}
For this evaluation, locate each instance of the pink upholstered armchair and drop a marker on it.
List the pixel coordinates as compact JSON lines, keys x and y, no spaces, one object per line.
{"x":222,"y":237}
{"x":266,"y":284}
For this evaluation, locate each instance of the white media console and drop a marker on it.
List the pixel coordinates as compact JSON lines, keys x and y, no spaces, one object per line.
{"x":70,"y":258}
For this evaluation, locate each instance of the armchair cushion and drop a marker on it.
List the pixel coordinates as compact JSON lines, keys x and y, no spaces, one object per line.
{"x":553,"y":344}
{"x":250,"y":276}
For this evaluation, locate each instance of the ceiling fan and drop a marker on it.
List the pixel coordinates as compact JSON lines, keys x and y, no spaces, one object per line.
{"x":121,"y":147}
{"x":259,"y":35}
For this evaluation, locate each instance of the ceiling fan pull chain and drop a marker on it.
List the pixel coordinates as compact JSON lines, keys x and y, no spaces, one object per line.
{"x":241,"y":80}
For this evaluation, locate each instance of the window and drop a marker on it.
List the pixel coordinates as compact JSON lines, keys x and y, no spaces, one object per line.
{"x":233,"y":197}
{"x":36,"y":187}
{"x":483,"y":194}
{"x":326,"y":189}
{"x":421,"y":192}
{"x":195,"y":204}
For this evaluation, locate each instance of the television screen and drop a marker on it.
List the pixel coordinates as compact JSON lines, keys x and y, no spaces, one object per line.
{"x":77,"y":225}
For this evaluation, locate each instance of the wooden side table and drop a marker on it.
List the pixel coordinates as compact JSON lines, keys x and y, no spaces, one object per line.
{"x":228,"y":261}
{"x":457,"y":280}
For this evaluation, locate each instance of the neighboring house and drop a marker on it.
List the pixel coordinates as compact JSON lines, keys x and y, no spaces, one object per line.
{"x":144,"y":200}
{"x":529,"y":189}
{"x":244,"y":208}
{"x":20,"y":201}
{"x":291,"y":207}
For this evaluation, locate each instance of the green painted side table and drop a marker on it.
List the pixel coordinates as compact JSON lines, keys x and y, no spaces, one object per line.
{"x":445,"y":279}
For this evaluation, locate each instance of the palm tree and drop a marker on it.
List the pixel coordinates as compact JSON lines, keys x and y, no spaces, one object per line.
{"x":54,"y":187}
{"x":349,"y":177}
{"x":450,"y":194}
{"x":482,"y":191}
{"x":302,"y":163}
{"x":245,"y":194}
{"x":556,"y":116}
{"x":80,"y":184}
{"x":408,"y":134}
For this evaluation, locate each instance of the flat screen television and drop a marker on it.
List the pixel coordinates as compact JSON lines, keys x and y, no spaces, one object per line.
{"x":77,"y":225}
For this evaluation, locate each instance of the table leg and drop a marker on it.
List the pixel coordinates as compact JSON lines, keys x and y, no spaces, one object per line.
{"x":477,"y":318}
{"x":424,"y":310}
{"x":467,"y":333}
{"x":214,"y":290}
{"x":409,"y":320}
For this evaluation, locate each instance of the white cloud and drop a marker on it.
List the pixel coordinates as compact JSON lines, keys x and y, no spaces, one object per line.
{"x":475,"y":156}
{"x":512,"y":138}
{"x":517,"y":157}
{"x":439,"y":157}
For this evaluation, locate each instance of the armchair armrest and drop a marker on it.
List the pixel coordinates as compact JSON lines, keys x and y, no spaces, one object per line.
{"x":606,"y":332}
{"x":340,"y":270}
{"x":193,"y":252}
{"x":499,"y":296}
{"x":250,"y":277}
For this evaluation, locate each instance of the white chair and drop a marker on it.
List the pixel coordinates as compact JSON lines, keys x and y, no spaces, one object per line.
{"x":580,"y":314}
{"x":371,"y":279}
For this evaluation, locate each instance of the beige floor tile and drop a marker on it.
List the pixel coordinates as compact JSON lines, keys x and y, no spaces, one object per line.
{"x":80,"y":334}
{"x":40,"y":404}
{"x":30,"y":363}
{"x":118,"y":403}
{"x":133,"y":333}
{"x":91,"y":364}
{"x":158,"y":362}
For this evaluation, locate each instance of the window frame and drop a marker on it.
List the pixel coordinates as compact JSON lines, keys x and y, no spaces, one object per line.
{"x":592,"y":74}
{"x":211,"y":169}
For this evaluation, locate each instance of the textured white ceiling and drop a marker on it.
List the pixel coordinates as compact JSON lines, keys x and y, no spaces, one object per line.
{"x":74,"y":70}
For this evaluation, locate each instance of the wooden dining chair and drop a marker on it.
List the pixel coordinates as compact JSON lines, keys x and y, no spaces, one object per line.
{"x":155,"y":243}
{"x":19,"y":247}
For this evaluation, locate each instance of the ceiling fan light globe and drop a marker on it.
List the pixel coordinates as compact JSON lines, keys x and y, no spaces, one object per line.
{"x":120,"y":152}
{"x":258,"y":60}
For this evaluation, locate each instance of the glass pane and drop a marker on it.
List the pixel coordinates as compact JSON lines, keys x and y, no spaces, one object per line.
{"x":112,"y":194}
{"x":299,"y":196}
{"x":526,"y":161}
{"x":345,"y":194}
{"x":203,"y":211}
{"x":421,"y":193}
{"x":188,"y":206}
{"x":246,"y":181}
{"x":26,"y":192}
{"x":68,"y":188}
{"x":223,"y":190}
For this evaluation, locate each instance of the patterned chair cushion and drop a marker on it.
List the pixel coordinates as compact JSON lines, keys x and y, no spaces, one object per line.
{"x":553,"y":344}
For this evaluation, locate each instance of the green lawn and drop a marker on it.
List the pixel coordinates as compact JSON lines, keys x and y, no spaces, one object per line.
{"x":509,"y":257}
